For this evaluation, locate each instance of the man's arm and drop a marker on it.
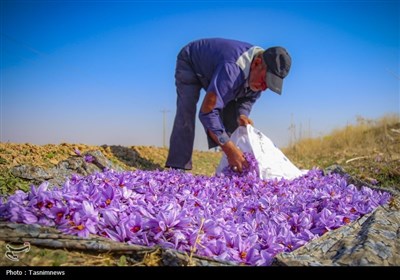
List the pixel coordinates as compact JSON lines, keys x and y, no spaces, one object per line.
{"x":210,"y":118}
{"x":234,"y":154}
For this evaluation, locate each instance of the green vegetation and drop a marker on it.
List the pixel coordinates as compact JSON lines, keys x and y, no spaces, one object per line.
{"x":50,"y":155}
{"x":3,"y":161}
{"x":9,"y":184}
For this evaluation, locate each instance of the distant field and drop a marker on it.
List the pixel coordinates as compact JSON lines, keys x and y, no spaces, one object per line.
{"x":369,"y":150}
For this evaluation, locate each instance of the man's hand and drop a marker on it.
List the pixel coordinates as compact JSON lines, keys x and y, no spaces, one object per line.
{"x":235,"y":157}
{"x":244,"y":120}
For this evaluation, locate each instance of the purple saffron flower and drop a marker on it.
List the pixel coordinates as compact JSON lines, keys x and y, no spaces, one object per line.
{"x":235,"y":218}
{"x":89,"y":158}
{"x":76,"y":150}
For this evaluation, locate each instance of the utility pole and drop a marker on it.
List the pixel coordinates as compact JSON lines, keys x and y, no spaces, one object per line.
{"x":164,"y":121}
{"x":292,"y":129}
{"x":301,"y":132}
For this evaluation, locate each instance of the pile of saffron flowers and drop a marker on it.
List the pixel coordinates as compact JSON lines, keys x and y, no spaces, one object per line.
{"x":232,"y":217}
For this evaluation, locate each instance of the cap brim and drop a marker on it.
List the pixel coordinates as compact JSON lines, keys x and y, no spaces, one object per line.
{"x":274,"y":83}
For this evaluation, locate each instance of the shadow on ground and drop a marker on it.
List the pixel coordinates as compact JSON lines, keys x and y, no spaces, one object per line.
{"x":131,"y":157}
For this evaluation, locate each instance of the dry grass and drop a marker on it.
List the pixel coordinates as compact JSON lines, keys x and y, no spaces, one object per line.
{"x":369,"y":150}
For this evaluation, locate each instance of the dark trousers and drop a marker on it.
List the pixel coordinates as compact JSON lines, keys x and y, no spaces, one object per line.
{"x":188,"y":87}
{"x":188,"y":92}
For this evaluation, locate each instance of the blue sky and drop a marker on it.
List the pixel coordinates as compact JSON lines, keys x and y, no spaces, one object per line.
{"x":102,"y":72}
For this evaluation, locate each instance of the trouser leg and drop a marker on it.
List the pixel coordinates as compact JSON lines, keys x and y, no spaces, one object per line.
{"x":183,"y":131}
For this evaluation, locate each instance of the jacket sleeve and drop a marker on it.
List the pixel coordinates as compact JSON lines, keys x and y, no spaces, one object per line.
{"x":223,"y":84}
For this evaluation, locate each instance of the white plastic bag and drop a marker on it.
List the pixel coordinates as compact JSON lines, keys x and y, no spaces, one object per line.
{"x":272,"y":163}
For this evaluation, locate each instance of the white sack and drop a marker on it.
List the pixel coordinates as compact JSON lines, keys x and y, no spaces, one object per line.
{"x":272,"y":163}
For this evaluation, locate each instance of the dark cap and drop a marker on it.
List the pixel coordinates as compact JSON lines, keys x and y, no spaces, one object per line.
{"x":278,"y":65}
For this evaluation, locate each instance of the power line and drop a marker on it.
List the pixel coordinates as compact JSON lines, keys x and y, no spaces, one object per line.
{"x":393,"y":73}
{"x":22,"y":44}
